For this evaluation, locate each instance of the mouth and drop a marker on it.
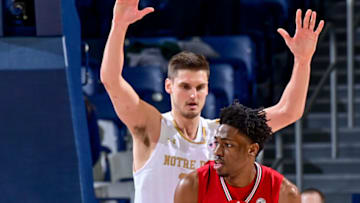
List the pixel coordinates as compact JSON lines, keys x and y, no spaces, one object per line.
{"x":218,"y":164}
{"x":192,"y":105}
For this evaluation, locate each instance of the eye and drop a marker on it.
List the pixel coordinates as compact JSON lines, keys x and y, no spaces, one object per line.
{"x":213,"y":145}
{"x":228,"y":145}
{"x":200,"y":87}
{"x":185,"y":86}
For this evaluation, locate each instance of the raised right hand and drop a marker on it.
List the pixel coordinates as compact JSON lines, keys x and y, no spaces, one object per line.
{"x":304,"y":42}
{"x":127,"y":12}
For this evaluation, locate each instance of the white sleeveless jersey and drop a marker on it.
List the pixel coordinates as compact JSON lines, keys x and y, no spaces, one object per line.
{"x":173,"y":157}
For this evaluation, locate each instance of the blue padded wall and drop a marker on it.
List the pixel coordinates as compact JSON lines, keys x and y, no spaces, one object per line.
{"x":49,"y":17}
{"x":44,"y":152}
{"x":356,"y":198}
{"x":1,"y":19}
{"x":37,"y":151}
{"x":72,"y":41}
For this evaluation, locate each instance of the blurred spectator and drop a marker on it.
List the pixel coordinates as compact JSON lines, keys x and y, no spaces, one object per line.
{"x":312,"y":195}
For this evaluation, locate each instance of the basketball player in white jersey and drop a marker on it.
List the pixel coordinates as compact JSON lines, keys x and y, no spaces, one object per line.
{"x":167,"y":146}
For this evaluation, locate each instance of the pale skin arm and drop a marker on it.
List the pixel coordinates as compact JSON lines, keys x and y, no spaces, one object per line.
{"x":187,"y":189}
{"x":289,"y":192}
{"x":142,"y":119}
{"x":302,"y":45}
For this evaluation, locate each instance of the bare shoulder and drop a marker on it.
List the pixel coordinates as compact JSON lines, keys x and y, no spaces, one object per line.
{"x":187,"y":189}
{"x":289,"y":192}
{"x":150,"y":117}
{"x":145,"y":133}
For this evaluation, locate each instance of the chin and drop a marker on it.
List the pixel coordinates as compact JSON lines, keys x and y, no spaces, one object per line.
{"x":190,"y":115}
{"x":222,"y":174}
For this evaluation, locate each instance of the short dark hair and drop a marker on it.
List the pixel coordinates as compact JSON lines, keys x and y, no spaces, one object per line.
{"x":251,"y":122}
{"x":187,"y":61}
{"x":316,"y":191}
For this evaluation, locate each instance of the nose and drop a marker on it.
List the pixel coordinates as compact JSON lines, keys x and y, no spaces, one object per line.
{"x":193,"y":93}
{"x":218,"y":150}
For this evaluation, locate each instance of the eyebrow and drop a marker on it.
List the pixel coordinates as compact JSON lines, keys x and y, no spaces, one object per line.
{"x":187,"y":83}
{"x":202,"y":84}
{"x":227,"y":139}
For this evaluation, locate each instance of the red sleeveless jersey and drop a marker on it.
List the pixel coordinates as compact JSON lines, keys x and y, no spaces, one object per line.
{"x":265,"y":187}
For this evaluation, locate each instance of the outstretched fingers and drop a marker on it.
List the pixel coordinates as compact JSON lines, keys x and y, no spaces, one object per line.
{"x":320,"y":27}
{"x":298,"y":19}
{"x":146,"y":11}
{"x":285,"y":35}
{"x":307,"y":19}
{"x":312,"y":20}
{"x":128,"y":1}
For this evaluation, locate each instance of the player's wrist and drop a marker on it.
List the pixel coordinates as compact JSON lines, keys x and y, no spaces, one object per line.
{"x":302,"y":61}
{"x":118,"y":25}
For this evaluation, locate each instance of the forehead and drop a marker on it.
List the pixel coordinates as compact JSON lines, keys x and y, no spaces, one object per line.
{"x":226,"y":131}
{"x":191,"y":76}
{"x":231,"y":133}
{"x":311,"y":197}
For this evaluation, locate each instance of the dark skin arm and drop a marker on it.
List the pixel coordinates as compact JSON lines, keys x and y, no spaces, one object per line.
{"x":289,"y":192}
{"x":187,"y":189}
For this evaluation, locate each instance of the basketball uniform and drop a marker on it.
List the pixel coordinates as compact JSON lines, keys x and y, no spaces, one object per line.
{"x":265,"y":187}
{"x":173,"y":157}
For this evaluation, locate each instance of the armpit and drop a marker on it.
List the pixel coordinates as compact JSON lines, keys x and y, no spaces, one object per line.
{"x":140,"y":132}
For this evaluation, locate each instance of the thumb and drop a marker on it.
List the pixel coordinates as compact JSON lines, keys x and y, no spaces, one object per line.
{"x":285,"y":35}
{"x":146,"y":11}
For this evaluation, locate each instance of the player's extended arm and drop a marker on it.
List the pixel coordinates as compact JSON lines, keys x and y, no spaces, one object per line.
{"x":303,"y":45}
{"x":142,"y":119}
{"x":127,"y":103}
{"x":187,"y":189}
{"x":289,"y":192}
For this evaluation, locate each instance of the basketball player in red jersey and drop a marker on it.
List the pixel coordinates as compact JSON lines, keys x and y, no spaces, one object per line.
{"x":234,"y":176}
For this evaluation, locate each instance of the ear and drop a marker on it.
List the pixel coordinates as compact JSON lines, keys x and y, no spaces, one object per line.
{"x":253,"y":149}
{"x":168,"y":85}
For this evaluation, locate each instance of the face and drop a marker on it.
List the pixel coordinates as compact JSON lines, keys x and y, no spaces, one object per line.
{"x":233,"y":151}
{"x":311,"y":198}
{"x":188,"y":90}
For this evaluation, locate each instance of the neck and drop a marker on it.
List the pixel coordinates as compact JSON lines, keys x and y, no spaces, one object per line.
{"x":188,"y":126}
{"x":243,"y":177}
